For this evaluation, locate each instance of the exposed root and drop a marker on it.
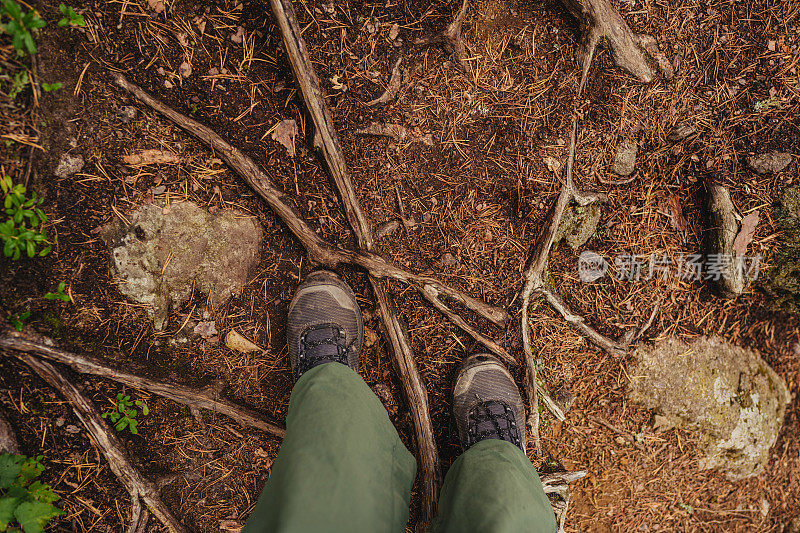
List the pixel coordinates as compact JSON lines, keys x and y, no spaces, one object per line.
{"x":451,"y":37}
{"x":393,"y":88}
{"x":139,"y":487}
{"x":637,"y":54}
{"x":195,"y":398}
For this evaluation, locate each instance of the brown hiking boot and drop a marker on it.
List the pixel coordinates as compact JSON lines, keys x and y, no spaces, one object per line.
{"x":487,"y":403}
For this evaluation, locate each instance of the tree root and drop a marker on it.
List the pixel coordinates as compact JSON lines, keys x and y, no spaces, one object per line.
{"x":638,"y":54}
{"x":139,"y":487}
{"x":208,"y":398}
{"x":393,"y":88}
{"x":451,"y":37}
{"x":556,"y":486}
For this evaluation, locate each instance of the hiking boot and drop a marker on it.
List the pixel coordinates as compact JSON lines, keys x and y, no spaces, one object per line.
{"x":487,"y":404}
{"x":324,"y":324}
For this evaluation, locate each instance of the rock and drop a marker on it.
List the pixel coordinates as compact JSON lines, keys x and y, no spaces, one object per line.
{"x":185,"y":69}
{"x":625,"y":160}
{"x":578,"y":224}
{"x":68,"y":165}
{"x":447,"y":259}
{"x":127,"y":114}
{"x":166,"y":252}
{"x":206,"y":329}
{"x":726,"y":393}
{"x":770,"y":162}
{"x":236,"y":341}
{"x":782,"y":281}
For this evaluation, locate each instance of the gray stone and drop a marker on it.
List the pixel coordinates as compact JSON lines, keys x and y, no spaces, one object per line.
{"x":578,"y":224}
{"x":625,"y":160}
{"x":166,"y":252}
{"x":726,"y":393}
{"x":68,"y":165}
{"x":770,"y":162}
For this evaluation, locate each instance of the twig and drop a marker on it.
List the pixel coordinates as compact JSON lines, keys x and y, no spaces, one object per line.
{"x":557,"y":483}
{"x":403,"y":355}
{"x":134,"y":482}
{"x":394,"y":85}
{"x":194,"y":398}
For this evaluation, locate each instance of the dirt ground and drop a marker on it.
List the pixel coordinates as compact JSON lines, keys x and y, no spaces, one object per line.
{"x":478,"y":196}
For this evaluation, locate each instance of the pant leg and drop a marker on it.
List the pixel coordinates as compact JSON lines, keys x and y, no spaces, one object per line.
{"x":341,"y":467}
{"x":493,"y":488}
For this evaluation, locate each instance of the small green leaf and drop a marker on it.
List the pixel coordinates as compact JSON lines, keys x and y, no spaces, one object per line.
{"x":33,"y":516}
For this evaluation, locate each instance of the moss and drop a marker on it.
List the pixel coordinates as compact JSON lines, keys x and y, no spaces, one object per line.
{"x":782,"y":281}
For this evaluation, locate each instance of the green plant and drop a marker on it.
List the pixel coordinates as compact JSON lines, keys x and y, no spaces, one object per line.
{"x":18,"y":83}
{"x":23,"y":231}
{"x":768,"y":103}
{"x":52,"y":86}
{"x":20,"y":25}
{"x":24,"y":499}
{"x":18,"y":319}
{"x":70,"y":17}
{"x":59,"y":294}
{"x":122,"y":414}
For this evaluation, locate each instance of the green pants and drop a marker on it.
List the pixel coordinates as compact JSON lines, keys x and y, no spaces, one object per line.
{"x":342,"y":468}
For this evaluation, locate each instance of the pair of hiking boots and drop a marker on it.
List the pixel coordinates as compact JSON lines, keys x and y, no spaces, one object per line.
{"x":325,"y":325}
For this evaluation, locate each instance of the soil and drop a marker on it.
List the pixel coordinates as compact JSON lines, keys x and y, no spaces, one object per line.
{"x":479,"y":194}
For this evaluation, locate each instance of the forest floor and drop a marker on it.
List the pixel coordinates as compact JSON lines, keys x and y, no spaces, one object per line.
{"x":477,"y":194}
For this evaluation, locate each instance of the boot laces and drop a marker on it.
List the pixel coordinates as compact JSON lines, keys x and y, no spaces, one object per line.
{"x":324,"y":343}
{"x":493,"y":420}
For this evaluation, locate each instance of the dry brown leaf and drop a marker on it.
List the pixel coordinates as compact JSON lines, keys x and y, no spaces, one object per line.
{"x":675,"y":211}
{"x":745,"y":235}
{"x":156,"y":5}
{"x":284,"y":133}
{"x":236,"y":341}
{"x":151,"y":157}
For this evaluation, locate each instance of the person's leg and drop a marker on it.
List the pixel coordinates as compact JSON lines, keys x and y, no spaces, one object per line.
{"x":492,"y":487}
{"x":342,"y":466}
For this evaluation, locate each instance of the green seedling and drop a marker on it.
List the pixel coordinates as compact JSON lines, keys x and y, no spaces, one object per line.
{"x":18,"y":83}
{"x":59,"y":294}
{"x":19,"y":25}
{"x":70,"y":17}
{"x":22,"y":231}
{"x":18,"y":320}
{"x":48,"y":87}
{"x":25,"y":502}
{"x":124,"y":416}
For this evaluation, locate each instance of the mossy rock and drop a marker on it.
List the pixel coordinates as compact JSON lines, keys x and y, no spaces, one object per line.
{"x":578,"y":224}
{"x":726,"y":393}
{"x":781,"y":281}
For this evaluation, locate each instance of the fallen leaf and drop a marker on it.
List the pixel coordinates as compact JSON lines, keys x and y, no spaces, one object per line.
{"x":284,"y":133}
{"x":151,"y":157}
{"x":553,"y":164}
{"x":393,"y":31}
{"x":206,"y":329}
{"x":675,"y":211}
{"x":185,"y":69}
{"x":236,"y":341}
{"x":338,"y":85}
{"x":238,"y":36}
{"x":745,"y":235}
{"x":370,"y":337}
{"x":156,"y":5}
